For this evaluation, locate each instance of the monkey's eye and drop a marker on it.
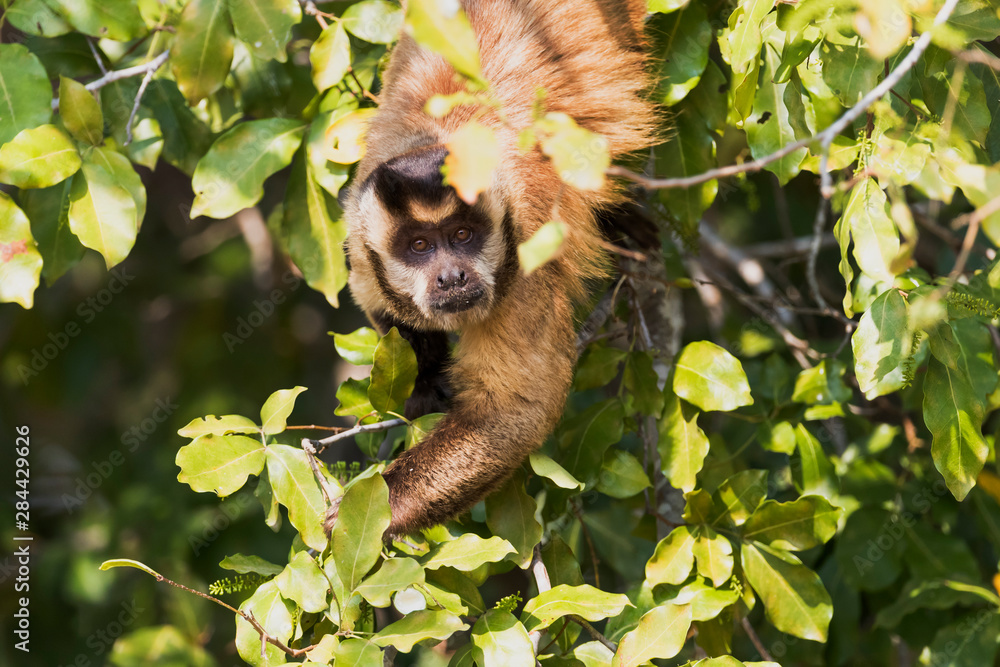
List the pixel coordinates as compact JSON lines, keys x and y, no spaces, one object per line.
{"x":462,"y":235}
{"x":420,"y":245}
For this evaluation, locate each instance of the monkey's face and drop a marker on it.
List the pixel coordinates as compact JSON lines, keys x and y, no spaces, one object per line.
{"x":436,"y":260}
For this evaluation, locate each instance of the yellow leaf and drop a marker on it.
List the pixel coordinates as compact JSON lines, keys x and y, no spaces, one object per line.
{"x":345,"y":139}
{"x":473,"y":153}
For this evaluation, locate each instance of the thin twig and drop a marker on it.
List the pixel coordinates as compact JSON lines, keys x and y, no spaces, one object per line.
{"x":310,"y":451}
{"x":265,"y":637}
{"x":593,"y":632}
{"x":980,"y":57}
{"x":788,"y":248}
{"x":364,"y":91}
{"x":120,"y":74}
{"x":97,"y":56}
{"x":757,"y":643}
{"x":320,"y":445}
{"x":135,"y":105}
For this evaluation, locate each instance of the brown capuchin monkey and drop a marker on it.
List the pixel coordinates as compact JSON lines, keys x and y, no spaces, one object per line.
{"x":426,"y":262}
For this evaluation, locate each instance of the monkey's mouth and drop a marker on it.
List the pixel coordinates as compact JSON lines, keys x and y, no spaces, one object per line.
{"x":458,"y":301}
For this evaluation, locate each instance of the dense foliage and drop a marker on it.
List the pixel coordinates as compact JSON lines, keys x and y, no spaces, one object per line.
{"x":780,"y":443}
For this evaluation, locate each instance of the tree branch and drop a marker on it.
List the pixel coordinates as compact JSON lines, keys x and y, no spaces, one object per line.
{"x":320,"y":445}
{"x":126,"y":73}
{"x":593,"y":632}
{"x":264,"y":636}
{"x":755,"y":640}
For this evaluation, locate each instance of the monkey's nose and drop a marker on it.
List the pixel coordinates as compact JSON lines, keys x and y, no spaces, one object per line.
{"x":451,"y":279}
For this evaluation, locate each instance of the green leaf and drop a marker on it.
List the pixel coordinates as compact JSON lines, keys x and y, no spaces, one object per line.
{"x":682,"y":444}
{"x":622,"y":476}
{"x":330,"y":56}
{"x":421,"y":427}
{"x":933,"y":594}
{"x":330,"y":175}
{"x":798,"y":525}
{"x":38,"y":158}
{"x":848,"y":68}
{"x":815,"y":473}
{"x":673,"y":559}
{"x":711,"y":378}
{"x":357,"y":534}
{"x":643,"y":383}
{"x":585,"y":437}
{"x":277,"y":407}
{"x":203,"y":49}
{"x":353,"y":397}
{"x":499,"y":640}
{"x":579,"y":156}
{"x":445,"y":29}
{"x":295,"y":486}
{"x":714,"y":555}
{"x":661,"y":633}
{"x":359,"y":653}
{"x":552,"y":471}
{"x":394,"y":371}
{"x":20,"y":261}
{"x":876,"y":241}
{"x":357,"y":347}
{"x":687,"y":36}
{"x":80,"y":112}
{"x":112,"y":19}
{"x":304,"y":582}
{"x":418,"y":626}
{"x":34,"y":17}
{"x":27,"y":101}
{"x":881,"y":345}
{"x":467,"y":553}
{"x":598,"y":366}
{"x":587,"y":602}
{"x":265,"y":25}
{"x":185,"y":137}
{"x":954,"y":415}
{"x":246,"y":564}
{"x":219,"y":463}
{"x":376,"y":21}
{"x":742,"y":41}
{"x":543,"y":245}
{"x":396,"y":574}
{"x":103,"y":213}
{"x":218,"y":426}
{"x":739,"y":496}
{"x":969,"y":641}
{"x":128,"y":562}
{"x":231,"y":175}
{"x":777,"y":111}
{"x":274,"y":613}
{"x":665,"y":6}
{"x":510,"y":514}
{"x":454,"y":591}
{"x":48,"y":210}
{"x":705,"y":601}
{"x":867,"y":565}
{"x":314,"y":233}
{"x":793,"y":595}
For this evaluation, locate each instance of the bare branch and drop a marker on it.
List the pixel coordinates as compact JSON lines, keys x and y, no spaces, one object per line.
{"x":788,"y":248}
{"x":264,"y":636}
{"x":593,"y":632}
{"x":320,"y":445}
{"x":120,"y":74}
{"x":755,"y":640}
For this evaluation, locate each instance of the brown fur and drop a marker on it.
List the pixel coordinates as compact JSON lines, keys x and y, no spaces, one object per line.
{"x":511,"y":370}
